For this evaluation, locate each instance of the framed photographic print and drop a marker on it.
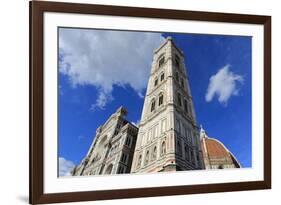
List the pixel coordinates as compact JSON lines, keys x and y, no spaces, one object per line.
{"x":139,"y":102}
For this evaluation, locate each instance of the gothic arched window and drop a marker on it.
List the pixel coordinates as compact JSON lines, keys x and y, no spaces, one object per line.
{"x":139,"y":161}
{"x":179,"y":99}
{"x":160,"y":102}
{"x":177,"y":61}
{"x":155,"y":81}
{"x":161,"y":61}
{"x":162,"y":76}
{"x":163,"y":148}
{"x":154,"y":153}
{"x":146,"y":157}
{"x":128,"y":141}
{"x":152,"y":105}
{"x":177,"y":76}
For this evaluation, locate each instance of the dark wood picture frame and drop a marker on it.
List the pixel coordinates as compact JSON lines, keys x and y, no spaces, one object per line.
{"x":37,"y":9}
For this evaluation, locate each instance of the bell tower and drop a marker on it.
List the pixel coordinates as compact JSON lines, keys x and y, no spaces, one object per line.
{"x":168,"y":137}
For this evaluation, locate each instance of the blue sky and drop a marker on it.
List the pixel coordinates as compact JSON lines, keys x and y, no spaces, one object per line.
{"x":102,"y":70}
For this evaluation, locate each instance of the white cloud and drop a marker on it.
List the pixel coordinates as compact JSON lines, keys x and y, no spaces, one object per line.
{"x":223,"y":84}
{"x":106,"y":58}
{"x":65,"y":166}
{"x":104,"y":97}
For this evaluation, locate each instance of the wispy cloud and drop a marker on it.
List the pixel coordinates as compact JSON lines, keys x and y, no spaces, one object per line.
{"x":81,"y":137}
{"x":65,"y":166}
{"x":60,"y":90}
{"x":223,"y":84}
{"x":140,"y":94}
{"x":104,"y":97}
{"x":107,"y":58}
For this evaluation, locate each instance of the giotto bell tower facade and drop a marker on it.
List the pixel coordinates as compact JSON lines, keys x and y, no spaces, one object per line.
{"x":168,"y":137}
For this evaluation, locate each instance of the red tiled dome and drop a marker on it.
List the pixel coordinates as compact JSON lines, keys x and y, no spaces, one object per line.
{"x":216,"y":153}
{"x":215,"y":149}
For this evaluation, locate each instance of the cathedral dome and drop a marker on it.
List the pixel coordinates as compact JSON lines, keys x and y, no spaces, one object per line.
{"x":216,"y":155}
{"x":215,"y":148}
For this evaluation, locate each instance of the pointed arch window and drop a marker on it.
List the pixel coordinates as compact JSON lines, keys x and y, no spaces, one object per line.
{"x":185,"y":106}
{"x":139,"y":161}
{"x":161,"y":61}
{"x":177,"y":76}
{"x":152,"y":105}
{"x":179,"y":99}
{"x":146,"y":157}
{"x":163,"y":148}
{"x":111,"y":151}
{"x":124,"y":158}
{"x":128,"y":141}
{"x":155,"y":81}
{"x":154,"y":153}
{"x":161,"y":97}
{"x":162,"y":76}
{"x":177,"y":61}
